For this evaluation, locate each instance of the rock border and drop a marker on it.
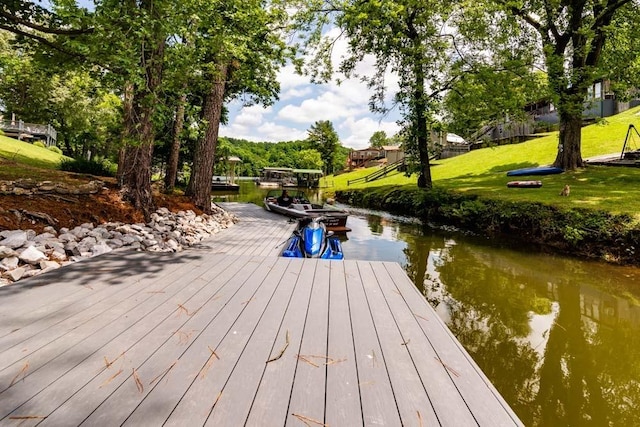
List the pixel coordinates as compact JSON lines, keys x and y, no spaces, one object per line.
{"x":28,"y":186}
{"x":24,"y":253}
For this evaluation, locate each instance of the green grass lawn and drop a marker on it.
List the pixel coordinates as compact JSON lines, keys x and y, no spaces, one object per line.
{"x":483,"y":172}
{"x":20,"y":159}
{"x":29,"y":154}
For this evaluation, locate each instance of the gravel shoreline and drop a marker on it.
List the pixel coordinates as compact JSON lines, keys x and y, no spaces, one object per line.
{"x":24,"y":253}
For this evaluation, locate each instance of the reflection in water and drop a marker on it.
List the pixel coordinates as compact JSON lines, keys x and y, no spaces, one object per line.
{"x":556,"y":336}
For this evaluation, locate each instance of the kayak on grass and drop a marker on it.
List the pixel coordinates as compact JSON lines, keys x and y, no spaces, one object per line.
{"x":547,"y":170}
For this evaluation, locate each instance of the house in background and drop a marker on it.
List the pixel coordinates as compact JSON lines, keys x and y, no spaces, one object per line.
{"x":600,"y":103}
{"x":28,"y":132}
{"x":375,"y":156}
{"x":393,"y":153}
{"x":453,"y":145}
{"x":366,"y":157}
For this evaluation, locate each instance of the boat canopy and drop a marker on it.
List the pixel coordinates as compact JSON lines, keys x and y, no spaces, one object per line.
{"x":273,"y":169}
{"x":308,"y":171}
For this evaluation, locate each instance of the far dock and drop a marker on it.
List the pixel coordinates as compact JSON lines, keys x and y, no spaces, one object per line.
{"x":230,"y":334}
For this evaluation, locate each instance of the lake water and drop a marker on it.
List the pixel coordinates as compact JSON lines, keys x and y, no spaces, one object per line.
{"x":559,"y":337}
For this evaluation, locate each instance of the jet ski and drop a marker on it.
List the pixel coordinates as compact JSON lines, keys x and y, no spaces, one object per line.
{"x":312,"y":240}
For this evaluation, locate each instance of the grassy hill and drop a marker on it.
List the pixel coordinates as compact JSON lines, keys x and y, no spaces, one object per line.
{"x":29,"y":154}
{"x":20,"y":159}
{"x":483,"y":172}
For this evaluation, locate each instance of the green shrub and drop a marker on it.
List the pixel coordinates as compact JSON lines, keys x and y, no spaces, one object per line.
{"x":40,"y":144}
{"x":91,"y":167}
{"x":588,"y":232}
{"x":55,"y":149}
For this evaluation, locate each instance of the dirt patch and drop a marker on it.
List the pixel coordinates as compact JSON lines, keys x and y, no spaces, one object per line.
{"x":38,"y":211}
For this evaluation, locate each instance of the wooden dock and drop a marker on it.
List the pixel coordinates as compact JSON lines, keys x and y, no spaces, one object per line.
{"x":229,"y":334}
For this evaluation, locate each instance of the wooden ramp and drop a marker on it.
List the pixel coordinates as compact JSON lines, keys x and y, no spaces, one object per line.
{"x":218,"y":337}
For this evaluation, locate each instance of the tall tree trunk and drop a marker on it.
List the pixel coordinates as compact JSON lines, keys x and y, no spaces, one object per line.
{"x":136,"y":175}
{"x":569,"y":148}
{"x":128,"y":129}
{"x":571,"y":101}
{"x":199,"y":188}
{"x":137,"y":156}
{"x":420,"y":118}
{"x":174,"y":154}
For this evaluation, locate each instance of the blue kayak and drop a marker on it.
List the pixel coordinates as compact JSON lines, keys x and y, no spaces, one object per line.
{"x":547,"y":170}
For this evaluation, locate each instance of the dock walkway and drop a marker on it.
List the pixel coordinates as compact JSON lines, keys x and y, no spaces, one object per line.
{"x":230,"y":334}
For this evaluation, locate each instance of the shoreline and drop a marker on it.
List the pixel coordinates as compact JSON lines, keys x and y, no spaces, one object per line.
{"x":580,"y":232}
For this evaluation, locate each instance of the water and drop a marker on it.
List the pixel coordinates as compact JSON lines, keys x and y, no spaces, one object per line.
{"x":557,"y":336}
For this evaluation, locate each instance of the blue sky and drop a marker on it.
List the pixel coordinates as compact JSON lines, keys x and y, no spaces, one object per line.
{"x":302,"y":103}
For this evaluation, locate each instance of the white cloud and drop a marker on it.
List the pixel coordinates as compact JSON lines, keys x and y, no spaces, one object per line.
{"x":274,"y":132}
{"x":251,"y":116}
{"x":302,"y":103}
{"x":289,"y":79}
{"x":328,"y":106}
{"x":359,"y":131}
{"x":296,"y":93}
{"x":263,"y":132}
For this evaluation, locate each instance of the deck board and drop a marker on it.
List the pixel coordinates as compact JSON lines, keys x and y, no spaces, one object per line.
{"x":308,"y":392}
{"x":377,"y":398}
{"x":436,"y":377}
{"x":343,"y":392}
{"x":480,"y":396}
{"x":271,"y":400}
{"x":412,"y":400}
{"x":86,"y":365}
{"x":184,"y":339}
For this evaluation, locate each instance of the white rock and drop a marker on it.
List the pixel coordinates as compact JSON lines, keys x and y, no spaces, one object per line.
{"x":172,"y":244}
{"x":15,"y":274}
{"x":44,"y":237}
{"x":44,"y":265}
{"x":31,"y":255}
{"x":99,"y":249}
{"x":57,"y":255}
{"x":14,"y":239}
{"x":115,"y":243}
{"x":67,"y":237}
{"x":6,"y":252}
{"x":9,"y":263}
{"x":49,"y":229}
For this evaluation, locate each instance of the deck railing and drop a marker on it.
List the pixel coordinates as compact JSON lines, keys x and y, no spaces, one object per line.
{"x":379,"y":173}
{"x":32,"y":129}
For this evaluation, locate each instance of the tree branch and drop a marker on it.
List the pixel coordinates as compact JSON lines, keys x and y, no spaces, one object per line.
{"x":47,"y":30}
{"x":41,"y":40}
{"x":606,"y":14}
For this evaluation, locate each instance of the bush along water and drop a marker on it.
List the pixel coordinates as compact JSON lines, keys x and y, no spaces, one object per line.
{"x":576,"y":231}
{"x":93,"y":167}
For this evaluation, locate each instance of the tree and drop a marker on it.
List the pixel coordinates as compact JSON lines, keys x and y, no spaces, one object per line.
{"x":242,"y":50}
{"x":83,"y":113}
{"x":621,"y":56}
{"x":308,"y":159}
{"x":139,"y":60}
{"x":405,"y":37}
{"x":25,"y":85}
{"x":378,"y":139}
{"x":572,"y":35}
{"x":52,"y":27}
{"x":69,"y":98}
{"x":325,"y":139}
{"x":496,"y":93}
{"x":181,"y":78}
